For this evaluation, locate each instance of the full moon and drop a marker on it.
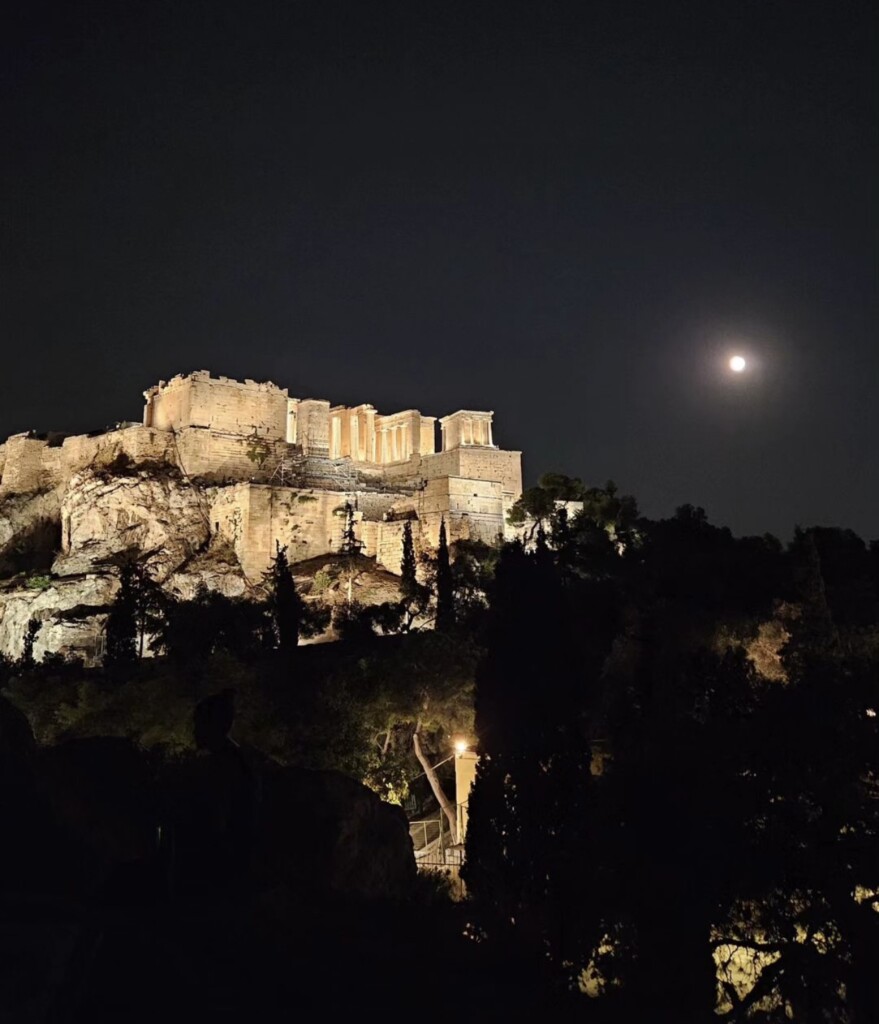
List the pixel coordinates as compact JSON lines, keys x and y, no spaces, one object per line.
{"x":737,"y":364}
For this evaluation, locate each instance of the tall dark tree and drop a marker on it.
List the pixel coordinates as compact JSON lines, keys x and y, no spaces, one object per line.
{"x":135,"y":612}
{"x":27,"y":651}
{"x":408,"y":581}
{"x":445,"y":584}
{"x":530,"y":801}
{"x":122,"y":621}
{"x":285,"y":604}
{"x":351,"y":546}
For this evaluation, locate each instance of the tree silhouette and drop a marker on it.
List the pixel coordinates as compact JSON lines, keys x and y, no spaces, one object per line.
{"x":408,"y":581}
{"x":445,"y":585}
{"x":284,"y":602}
{"x":136,"y":610}
{"x":27,"y":651}
{"x":651,"y":815}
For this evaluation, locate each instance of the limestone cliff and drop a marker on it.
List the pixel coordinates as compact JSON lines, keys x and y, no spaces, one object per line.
{"x":29,"y":532}
{"x":71,"y":611}
{"x":103,"y":516}
{"x":59,"y":550}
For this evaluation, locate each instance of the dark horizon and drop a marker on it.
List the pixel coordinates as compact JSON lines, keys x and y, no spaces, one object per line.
{"x":572,"y":217}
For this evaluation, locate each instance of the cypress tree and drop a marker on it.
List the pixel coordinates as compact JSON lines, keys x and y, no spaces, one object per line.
{"x":408,"y":582}
{"x":445,"y":596}
{"x":285,"y":605}
{"x":350,"y":544}
{"x":30,"y":636}
{"x":122,"y":620}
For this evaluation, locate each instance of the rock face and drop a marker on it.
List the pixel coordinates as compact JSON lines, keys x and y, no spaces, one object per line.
{"x":59,"y":550}
{"x":102,"y":517}
{"x":71,"y":612}
{"x":29,"y":532}
{"x":216,"y":568}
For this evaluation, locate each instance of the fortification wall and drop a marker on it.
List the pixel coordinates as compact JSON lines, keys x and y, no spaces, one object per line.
{"x":389,"y":543}
{"x":253,"y":518}
{"x":168,"y":405}
{"x":33,"y":464}
{"x":472,"y":509}
{"x":234,"y":436}
{"x":139,"y":444}
{"x":218,"y":403}
{"x":219,"y":457}
{"x":23,"y":465}
{"x":376,"y":505}
{"x":478,"y":464}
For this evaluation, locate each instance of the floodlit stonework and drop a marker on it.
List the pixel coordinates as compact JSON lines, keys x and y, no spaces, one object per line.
{"x":224,"y":465}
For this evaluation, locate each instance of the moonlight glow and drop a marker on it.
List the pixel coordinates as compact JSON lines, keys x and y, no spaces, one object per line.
{"x":737,"y":364}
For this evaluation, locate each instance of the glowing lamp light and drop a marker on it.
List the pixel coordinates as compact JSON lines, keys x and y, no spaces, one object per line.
{"x":737,"y":364}
{"x":461,"y":746}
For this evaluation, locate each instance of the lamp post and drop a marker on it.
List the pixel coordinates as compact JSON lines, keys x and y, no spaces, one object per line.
{"x":465,"y":775}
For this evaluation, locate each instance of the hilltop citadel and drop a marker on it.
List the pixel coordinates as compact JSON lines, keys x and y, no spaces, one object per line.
{"x":219,"y":465}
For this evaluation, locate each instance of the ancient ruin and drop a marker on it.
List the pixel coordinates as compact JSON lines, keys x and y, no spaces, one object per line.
{"x":217,"y":473}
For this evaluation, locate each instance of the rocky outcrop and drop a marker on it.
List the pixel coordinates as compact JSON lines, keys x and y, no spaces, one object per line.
{"x":103,"y":516}
{"x":216,"y":568}
{"x":59,"y":551}
{"x":71,"y":612}
{"x":30,"y":532}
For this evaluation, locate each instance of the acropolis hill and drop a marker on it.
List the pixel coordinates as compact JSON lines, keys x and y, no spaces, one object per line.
{"x":217,"y":473}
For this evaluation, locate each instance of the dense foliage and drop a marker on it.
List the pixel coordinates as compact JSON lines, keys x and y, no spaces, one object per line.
{"x":677,"y":802}
{"x":664,"y":825}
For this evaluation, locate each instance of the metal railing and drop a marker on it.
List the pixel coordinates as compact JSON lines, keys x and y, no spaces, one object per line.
{"x":432,"y":844}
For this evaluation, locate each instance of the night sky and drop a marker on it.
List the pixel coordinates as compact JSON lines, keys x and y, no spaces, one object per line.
{"x":572,"y":214}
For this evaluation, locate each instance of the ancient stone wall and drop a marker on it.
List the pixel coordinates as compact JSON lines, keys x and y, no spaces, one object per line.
{"x":33,"y":464}
{"x":168,"y":405}
{"x":218,"y":403}
{"x":222,"y":457}
{"x":138,"y":444}
{"x":23,"y":467}
{"x":253,"y":518}
{"x":277,"y":469}
{"x":479,"y":464}
{"x":389,"y":543}
{"x":376,"y":505}
{"x":472,"y":509}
